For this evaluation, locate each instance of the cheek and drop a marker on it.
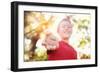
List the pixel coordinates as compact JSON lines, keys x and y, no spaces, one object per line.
{"x":70,"y":30}
{"x":61,"y":31}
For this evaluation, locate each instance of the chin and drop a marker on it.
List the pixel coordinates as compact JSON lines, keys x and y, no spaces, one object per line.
{"x":66,"y":37}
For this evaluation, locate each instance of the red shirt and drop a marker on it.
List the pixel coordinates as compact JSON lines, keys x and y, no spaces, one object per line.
{"x":64,"y":52}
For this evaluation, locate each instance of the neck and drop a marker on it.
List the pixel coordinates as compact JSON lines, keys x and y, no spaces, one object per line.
{"x":65,"y":40}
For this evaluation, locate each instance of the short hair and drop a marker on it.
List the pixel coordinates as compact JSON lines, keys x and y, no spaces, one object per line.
{"x":67,"y":19}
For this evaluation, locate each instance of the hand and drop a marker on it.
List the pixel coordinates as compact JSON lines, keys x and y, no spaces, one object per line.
{"x":51,"y":42}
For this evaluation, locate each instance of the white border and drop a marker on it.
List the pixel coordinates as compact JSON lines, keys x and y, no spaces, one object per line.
{"x":22,"y":64}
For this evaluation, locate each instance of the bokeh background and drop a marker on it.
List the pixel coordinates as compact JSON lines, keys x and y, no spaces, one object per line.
{"x":36,"y":23}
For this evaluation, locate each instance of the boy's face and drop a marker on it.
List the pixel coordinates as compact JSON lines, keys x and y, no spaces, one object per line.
{"x":65,"y":29}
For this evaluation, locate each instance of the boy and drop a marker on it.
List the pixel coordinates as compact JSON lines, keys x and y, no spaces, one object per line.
{"x":61,"y":50}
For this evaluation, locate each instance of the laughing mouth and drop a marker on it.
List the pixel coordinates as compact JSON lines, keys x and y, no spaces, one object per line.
{"x":67,"y":31}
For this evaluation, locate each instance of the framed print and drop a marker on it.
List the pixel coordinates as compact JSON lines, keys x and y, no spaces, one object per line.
{"x":52,"y":36}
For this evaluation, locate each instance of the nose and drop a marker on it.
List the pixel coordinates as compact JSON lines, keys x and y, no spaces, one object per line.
{"x":68,"y":28}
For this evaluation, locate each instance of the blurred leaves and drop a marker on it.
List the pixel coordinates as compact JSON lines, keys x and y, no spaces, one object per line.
{"x":36,"y":23}
{"x":85,"y":56}
{"x":82,"y":43}
{"x":82,"y":25}
{"x":40,"y":54}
